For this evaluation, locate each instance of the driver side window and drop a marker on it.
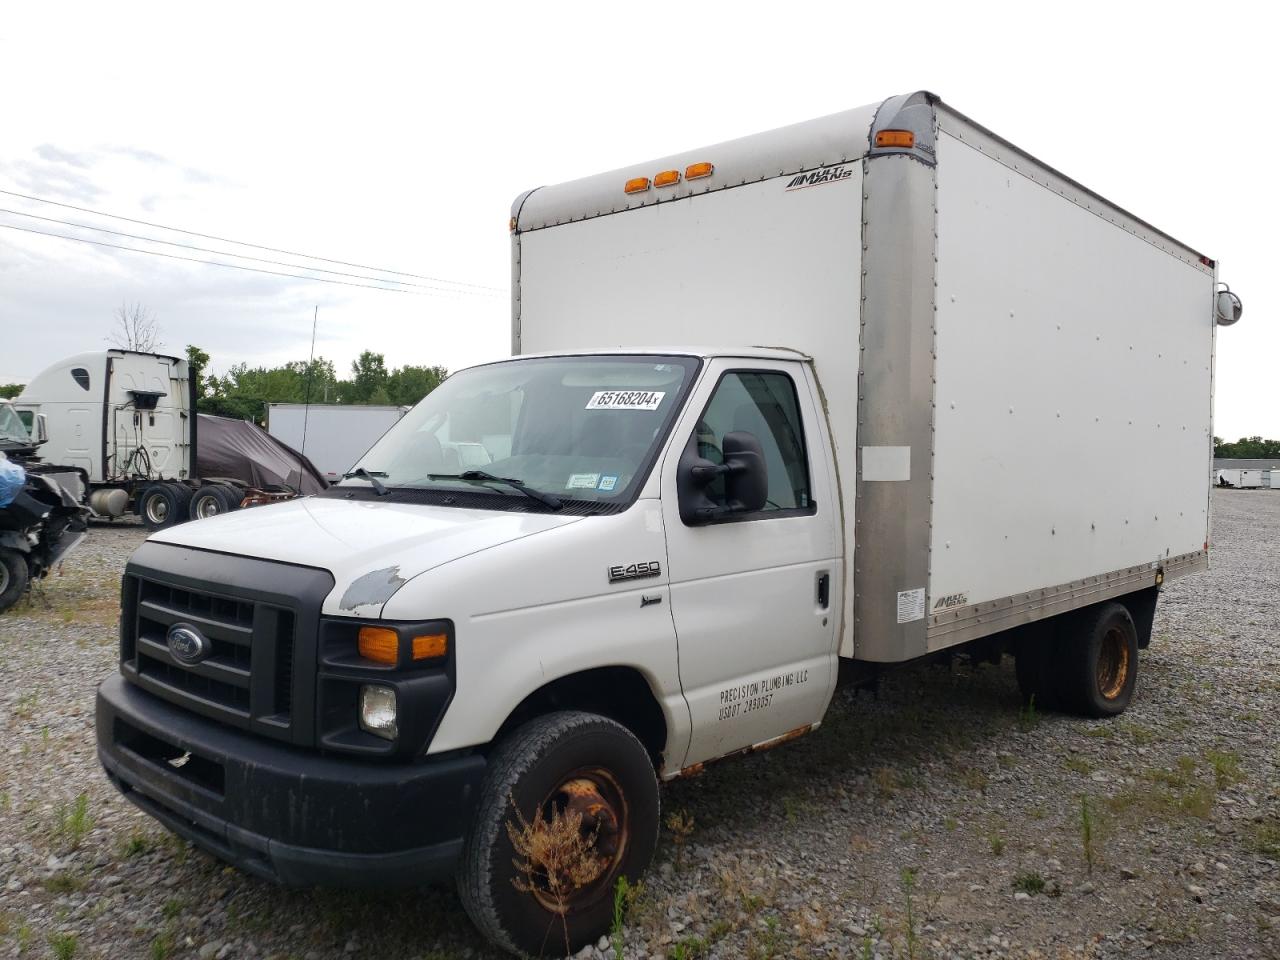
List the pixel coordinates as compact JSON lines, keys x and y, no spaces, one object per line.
{"x":764,"y":404}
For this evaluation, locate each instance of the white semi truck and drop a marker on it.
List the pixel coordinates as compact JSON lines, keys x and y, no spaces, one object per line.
{"x":128,"y":420}
{"x":923,"y":351}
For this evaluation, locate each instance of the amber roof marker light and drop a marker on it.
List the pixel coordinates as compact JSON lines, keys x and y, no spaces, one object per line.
{"x":896,"y":138}
{"x":696,"y":171}
{"x":636,"y":185}
{"x":666,"y":178}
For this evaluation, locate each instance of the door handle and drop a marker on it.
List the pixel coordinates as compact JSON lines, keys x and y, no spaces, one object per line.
{"x":824,"y":589}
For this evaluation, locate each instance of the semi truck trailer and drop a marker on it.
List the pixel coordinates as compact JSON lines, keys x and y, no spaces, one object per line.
{"x":782,"y":412}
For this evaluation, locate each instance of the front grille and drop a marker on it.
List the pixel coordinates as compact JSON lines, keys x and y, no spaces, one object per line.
{"x":247,"y":677}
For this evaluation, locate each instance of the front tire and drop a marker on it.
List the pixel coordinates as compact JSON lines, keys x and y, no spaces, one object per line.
{"x":13,"y":577}
{"x":562,"y":761}
{"x":1100,"y":662}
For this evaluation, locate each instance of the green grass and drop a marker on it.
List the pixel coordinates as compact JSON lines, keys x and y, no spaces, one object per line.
{"x":1266,"y":837}
{"x":1226,"y":767}
{"x":64,"y":945}
{"x":1029,"y":882}
{"x":74,"y":822}
{"x":64,"y":882}
{"x":1079,"y":765}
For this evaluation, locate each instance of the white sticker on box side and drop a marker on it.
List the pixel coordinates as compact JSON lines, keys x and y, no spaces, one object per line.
{"x":910,"y":605}
{"x":626,"y":399}
{"x":582,"y":481}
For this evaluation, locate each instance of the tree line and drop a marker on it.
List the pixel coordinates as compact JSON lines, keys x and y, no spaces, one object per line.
{"x":243,"y":391}
{"x":1247,"y":448}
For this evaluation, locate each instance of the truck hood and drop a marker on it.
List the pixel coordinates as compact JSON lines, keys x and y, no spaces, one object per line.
{"x":371,"y":547}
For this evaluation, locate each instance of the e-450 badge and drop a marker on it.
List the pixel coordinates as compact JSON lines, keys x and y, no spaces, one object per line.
{"x":634,"y":571}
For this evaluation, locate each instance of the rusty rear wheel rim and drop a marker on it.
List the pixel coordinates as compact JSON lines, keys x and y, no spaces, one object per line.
{"x":1113,"y":663}
{"x":594,"y":793}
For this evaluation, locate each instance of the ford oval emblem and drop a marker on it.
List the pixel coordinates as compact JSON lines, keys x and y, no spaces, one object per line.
{"x":187,"y":644}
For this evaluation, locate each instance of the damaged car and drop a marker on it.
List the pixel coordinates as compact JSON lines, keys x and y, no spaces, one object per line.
{"x":43,"y":515}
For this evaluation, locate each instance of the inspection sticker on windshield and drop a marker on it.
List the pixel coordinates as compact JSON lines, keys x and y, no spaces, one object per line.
{"x":607,"y":482}
{"x":582,"y":481}
{"x":626,"y":400}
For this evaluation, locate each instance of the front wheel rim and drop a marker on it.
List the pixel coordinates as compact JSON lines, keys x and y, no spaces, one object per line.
{"x":595,"y":794}
{"x":1113,"y":663}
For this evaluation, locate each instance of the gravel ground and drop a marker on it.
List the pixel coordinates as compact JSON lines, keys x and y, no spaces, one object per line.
{"x":933,"y":819}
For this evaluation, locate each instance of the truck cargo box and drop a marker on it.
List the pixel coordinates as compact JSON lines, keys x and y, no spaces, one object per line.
{"x":991,"y":338}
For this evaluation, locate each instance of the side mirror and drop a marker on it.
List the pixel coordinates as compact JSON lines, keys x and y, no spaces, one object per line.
{"x":41,"y":432}
{"x":746,"y":480}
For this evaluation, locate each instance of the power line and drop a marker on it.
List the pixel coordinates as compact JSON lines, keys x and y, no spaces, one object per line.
{"x":240,"y":256}
{"x":243,"y":243}
{"x":212,"y":263}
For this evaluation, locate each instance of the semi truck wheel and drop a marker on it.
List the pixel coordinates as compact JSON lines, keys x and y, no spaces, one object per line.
{"x":1099,"y":663}
{"x":568,"y":763}
{"x":13,"y":577}
{"x":231,"y":496}
{"x":209,"y":501}
{"x":164,"y":504}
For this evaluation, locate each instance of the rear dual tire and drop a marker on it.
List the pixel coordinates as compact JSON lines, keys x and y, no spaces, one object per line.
{"x":566,"y":760}
{"x":1086,"y":664}
{"x":162,"y":505}
{"x":214,"y":499}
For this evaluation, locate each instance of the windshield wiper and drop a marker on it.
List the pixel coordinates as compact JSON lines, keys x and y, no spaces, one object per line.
{"x":546,"y":498}
{"x":362,"y":474}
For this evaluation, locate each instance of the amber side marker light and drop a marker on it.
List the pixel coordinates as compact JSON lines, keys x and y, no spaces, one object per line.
{"x":896,"y":138}
{"x":636,"y":185}
{"x":379,"y":644}
{"x":430,"y":646}
{"x":696,"y":171}
{"x":666,"y":178}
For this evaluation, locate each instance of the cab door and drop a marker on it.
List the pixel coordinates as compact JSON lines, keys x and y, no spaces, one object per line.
{"x":752,"y":594}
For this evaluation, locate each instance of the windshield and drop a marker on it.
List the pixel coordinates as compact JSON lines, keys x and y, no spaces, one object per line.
{"x":11,"y":427}
{"x":578,"y":428}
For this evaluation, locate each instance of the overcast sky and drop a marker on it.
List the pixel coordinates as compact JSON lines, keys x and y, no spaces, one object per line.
{"x":397,"y":136}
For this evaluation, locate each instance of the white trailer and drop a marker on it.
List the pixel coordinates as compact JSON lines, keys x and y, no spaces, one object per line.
{"x":332,"y":436}
{"x":925,"y":348}
{"x":1241,"y":478}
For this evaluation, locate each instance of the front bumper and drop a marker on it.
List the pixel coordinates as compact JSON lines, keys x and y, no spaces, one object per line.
{"x":286,"y":814}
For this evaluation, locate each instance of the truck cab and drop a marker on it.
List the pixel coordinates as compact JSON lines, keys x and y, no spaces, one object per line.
{"x":626,"y":499}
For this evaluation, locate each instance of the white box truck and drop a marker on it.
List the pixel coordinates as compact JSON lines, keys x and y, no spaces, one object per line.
{"x":332,"y":436}
{"x":923,"y":351}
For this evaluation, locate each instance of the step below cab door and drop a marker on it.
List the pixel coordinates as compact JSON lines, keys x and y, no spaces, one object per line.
{"x":752,"y":590}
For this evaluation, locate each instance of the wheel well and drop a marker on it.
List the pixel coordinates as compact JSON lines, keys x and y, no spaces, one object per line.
{"x":619,"y":693}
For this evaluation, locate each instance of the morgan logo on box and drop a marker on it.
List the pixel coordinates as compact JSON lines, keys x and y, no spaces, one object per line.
{"x":825,"y":175}
{"x":952,"y":600}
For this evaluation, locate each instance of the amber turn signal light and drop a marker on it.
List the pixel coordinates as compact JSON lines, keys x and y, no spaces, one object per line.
{"x":379,"y":644}
{"x":636,"y":185}
{"x":697,"y":170}
{"x":896,"y":138}
{"x":430,"y":646}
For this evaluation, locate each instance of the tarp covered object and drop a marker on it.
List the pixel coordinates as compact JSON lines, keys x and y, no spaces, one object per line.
{"x":244,"y":451}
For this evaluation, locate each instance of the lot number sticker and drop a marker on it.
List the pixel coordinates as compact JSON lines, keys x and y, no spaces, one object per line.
{"x":626,"y":400}
{"x":911,"y":605}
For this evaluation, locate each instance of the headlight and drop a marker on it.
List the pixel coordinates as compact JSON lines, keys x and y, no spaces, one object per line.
{"x":378,"y":710}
